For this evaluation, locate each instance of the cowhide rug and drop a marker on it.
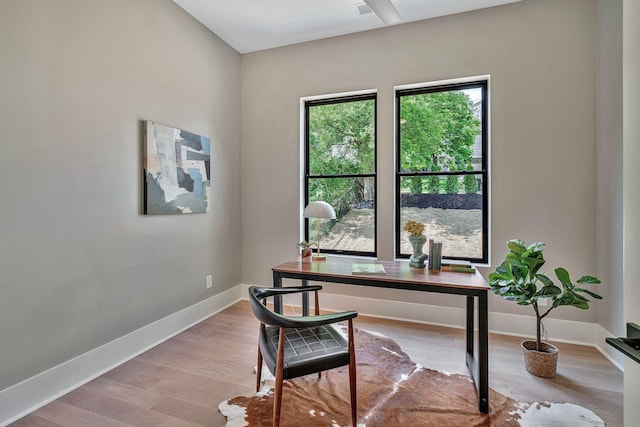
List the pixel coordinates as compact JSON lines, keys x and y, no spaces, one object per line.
{"x":394,"y":391}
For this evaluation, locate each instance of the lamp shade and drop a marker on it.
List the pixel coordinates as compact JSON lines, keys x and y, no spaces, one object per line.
{"x":319,"y":210}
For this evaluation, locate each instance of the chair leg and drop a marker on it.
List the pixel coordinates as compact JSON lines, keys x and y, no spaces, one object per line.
{"x":259,"y":366}
{"x":259,"y":370}
{"x":277,"y":394}
{"x":352,"y":376}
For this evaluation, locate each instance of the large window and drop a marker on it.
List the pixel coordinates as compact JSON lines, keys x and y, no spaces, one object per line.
{"x":340,"y":169}
{"x":442,"y":168}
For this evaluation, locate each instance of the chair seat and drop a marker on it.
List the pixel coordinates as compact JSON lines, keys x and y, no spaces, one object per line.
{"x":306,"y":351}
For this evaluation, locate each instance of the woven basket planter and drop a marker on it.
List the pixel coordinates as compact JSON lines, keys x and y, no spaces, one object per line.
{"x":540,"y":363}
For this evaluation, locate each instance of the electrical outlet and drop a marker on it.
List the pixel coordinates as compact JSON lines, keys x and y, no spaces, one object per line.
{"x":542,"y":302}
{"x":209,"y":281}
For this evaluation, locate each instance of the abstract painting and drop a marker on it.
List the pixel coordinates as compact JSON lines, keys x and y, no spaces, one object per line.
{"x":177,"y":168}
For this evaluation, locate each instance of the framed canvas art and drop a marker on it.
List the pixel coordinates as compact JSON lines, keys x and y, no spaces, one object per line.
{"x":177,"y":169}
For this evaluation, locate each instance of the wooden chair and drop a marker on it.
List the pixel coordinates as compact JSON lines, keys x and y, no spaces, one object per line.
{"x":295,"y":346}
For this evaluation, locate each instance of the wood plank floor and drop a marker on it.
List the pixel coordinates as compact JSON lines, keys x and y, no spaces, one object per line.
{"x":181,"y":381}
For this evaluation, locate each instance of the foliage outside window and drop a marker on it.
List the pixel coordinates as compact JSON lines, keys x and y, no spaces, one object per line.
{"x":441,"y":172}
{"x":340,"y":169}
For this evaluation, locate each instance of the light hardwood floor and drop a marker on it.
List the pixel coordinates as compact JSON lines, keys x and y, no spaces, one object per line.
{"x":181,"y":381}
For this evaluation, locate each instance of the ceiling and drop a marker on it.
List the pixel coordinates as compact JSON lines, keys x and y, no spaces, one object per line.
{"x":252,"y":25}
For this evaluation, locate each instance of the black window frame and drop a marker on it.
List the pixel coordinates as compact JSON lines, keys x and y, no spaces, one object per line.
{"x":483,"y":84}
{"x":307,"y":176}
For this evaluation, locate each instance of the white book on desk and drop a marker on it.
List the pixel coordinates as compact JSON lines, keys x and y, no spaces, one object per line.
{"x":368,"y":269}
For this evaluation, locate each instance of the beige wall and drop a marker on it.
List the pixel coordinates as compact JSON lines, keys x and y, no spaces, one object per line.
{"x":609,"y":164}
{"x":631,"y":138}
{"x":541,"y":58}
{"x":80,"y":265}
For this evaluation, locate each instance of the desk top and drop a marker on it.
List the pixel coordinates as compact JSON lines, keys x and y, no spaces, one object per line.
{"x":396,"y":272}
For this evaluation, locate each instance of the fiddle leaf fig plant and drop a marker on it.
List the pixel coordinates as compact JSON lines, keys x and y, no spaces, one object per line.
{"x":518,"y":279}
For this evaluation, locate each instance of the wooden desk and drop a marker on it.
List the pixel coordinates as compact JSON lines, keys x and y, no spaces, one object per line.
{"x":401,"y":276}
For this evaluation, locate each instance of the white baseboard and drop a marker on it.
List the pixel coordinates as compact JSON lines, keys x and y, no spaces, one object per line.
{"x":614,"y":356}
{"x":35,"y":392}
{"x":559,"y":330}
{"x":568,"y":331}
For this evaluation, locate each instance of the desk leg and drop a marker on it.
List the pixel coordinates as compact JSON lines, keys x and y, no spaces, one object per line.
{"x":277,"y":300}
{"x":479,"y":366}
{"x":305,"y":299}
{"x":470,"y":327}
{"x":483,"y":353}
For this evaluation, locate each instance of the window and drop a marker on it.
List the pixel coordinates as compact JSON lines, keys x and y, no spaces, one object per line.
{"x":441,"y":168}
{"x":340,"y":169}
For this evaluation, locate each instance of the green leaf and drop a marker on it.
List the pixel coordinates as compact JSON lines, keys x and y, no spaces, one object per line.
{"x":574,"y":300}
{"x":495,"y":278}
{"x":531,"y":290}
{"x":501,"y":291}
{"x":581,"y":304}
{"x":549,"y":291}
{"x":564,"y":299}
{"x":533,"y":263}
{"x":544,"y":279}
{"x":563,"y":276}
{"x":578,"y":297}
{"x":590,"y":280}
{"x":536,"y":247}
{"x":516,"y":246}
{"x":588,"y":292}
{"x":520,"y":271}
{"x":502,"y":271}
{"x":513,"y":259}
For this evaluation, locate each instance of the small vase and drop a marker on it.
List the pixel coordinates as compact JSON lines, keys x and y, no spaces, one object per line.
{"x":418,"y":257}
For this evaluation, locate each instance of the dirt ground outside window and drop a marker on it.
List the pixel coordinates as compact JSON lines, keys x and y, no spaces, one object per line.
{"x":459,"y":230}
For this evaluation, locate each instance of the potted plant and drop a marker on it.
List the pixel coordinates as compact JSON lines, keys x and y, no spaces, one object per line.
{"x":305,"y":248}
{"x":518,"y":279}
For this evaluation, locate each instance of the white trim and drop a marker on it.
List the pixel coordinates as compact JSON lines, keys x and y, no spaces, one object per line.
{"x":487,"y":103}
{"x":566,"y":331}
{"x":499,"y":323}
{"x":443,"y":82}
{"x":489,"y":168}
{"x":301,"y":180}
{"x":301,"y":169}
{"x":35,"y":392}
{"x":303,"y":99}
{"x":614,"y":356}
{"x":559,"y":330}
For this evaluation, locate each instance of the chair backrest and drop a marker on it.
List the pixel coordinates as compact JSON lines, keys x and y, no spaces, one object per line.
{"x":268,"y":317}
{"x":262,"y":312}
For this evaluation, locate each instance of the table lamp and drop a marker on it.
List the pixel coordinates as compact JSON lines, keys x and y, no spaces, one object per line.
{"x":319,"y":211}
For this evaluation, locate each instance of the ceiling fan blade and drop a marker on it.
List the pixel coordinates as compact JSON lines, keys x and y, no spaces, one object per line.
{"x":385,"y":10}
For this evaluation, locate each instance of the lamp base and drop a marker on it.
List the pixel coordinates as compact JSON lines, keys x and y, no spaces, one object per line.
{"x":319,"y":258}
